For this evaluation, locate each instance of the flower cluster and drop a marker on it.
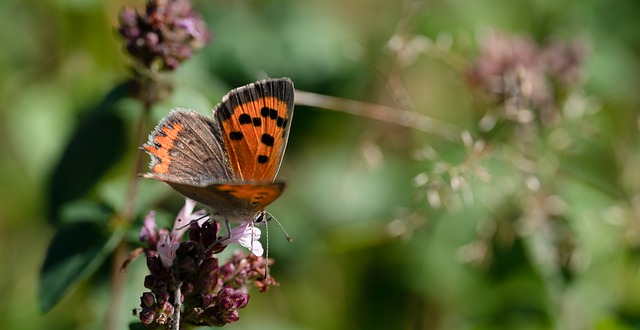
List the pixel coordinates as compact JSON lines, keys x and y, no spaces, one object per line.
{"x":519,"y":75}
{"x":168,"y":33}
{"x":187,"y":284}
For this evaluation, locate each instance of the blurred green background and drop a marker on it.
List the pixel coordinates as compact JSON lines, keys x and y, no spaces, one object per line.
{"x":553,"y":245}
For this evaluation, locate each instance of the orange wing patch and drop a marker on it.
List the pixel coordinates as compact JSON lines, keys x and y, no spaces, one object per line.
{"x":258,"y":196}
{"x":163,"y":142}
{"x":255,"y":138}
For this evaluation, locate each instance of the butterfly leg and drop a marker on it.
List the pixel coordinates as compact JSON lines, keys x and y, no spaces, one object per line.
{"x":228,"y":235}
{"x":194,"y":221}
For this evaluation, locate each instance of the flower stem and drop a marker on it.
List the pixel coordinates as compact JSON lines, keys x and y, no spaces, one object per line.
{"x":177,"y":304}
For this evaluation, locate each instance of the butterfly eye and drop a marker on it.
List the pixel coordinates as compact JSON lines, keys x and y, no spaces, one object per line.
{"x":261,"y":217}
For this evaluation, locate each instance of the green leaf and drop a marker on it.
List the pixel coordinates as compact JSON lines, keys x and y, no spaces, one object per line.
{"x":136,"y":326}
{"x":98,"y":142}
{"x":75,"y":252}
{"x":82,"y":210}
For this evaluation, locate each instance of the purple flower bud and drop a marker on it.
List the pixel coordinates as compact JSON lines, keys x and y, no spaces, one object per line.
{"x":128,"y":17}
{"x":195,"y":232}
{"x":563,"y":60}
{"x":242,"y":273}
{"x":208,"y":300}
{"x":241,"y":299}
{"x":225,"y":292}
{"x":231,"y":316}
{"x":151,"y":39}
{"x":156,"y":267}
{"x":153,"y":283}
{"x":167,"y":308}
{"x":147,"y":299}
{"x":162,"y":297}
{"x":227,"y":270}
{"x":210,"y":230}
{"x":147,"y":316}
{"x":225,"y":303}
{"x":211,"y":293}
{"x":171,"y":62}
{"x":184,"y":52}
{"x":187,"y":289}
{"x":172,"y":33}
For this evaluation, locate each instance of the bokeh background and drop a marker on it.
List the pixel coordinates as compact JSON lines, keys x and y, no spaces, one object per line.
{"x":491,"y":223}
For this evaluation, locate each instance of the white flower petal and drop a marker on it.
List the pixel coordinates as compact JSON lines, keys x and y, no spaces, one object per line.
{"x":167,"y":249}
{"x":148,"y":230}
{"x":248,"y":236}
{"x":250,"y":240}
{"x":256,"y":249}
{"x":184,"y":218}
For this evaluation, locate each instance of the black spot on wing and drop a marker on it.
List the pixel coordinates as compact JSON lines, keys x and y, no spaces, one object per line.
{"x":236,"y":136}
{"x":267,"y":139}
{"x":244,"y":119}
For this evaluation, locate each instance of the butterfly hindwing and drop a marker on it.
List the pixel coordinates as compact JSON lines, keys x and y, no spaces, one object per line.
{"x":255,"y":127}
{"x":186,"y":147}
{"x":256,"y":195}
{"x":233,"y":199}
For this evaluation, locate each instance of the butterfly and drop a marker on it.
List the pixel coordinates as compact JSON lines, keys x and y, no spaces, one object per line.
{"x":229,"y":162}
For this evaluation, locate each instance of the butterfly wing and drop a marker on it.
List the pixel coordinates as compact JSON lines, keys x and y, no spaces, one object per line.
{"x":255,"y":127}
{"x":227,"y":164}
{"x":187,"y":148}
{"x":237,"y":201}
{"x":256,"y":195}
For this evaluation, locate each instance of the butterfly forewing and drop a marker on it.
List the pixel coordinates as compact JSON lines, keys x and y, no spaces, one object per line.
{"x":186,"y":147}
{"x":255,"y":127}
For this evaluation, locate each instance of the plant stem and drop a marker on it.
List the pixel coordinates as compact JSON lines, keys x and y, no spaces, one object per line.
{"x":118,"y":279}
{"x":382,"y":113}
{"x":177,"y":304}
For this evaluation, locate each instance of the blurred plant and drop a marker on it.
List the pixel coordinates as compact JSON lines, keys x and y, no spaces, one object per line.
{"x":167,"y":34}
{"x":534,"y":119}
{"x":187,"y":285}
{"x":518,"y":77}
{"x":523,"y":84}
{"x":534,"y":116}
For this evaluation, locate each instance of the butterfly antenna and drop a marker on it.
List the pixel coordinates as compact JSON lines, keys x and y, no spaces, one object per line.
{"x":266,"y":268}
{"x":252,"y":224}
{"x":286,"y":235}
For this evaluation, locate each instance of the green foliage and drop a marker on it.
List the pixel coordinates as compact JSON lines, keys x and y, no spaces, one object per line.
{"x":97,"y":143}
{"x":75,"y":252}
{"x":525,"y":218}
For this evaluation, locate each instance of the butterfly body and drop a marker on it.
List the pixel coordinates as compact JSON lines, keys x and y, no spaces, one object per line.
{"x":229,"y":162}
